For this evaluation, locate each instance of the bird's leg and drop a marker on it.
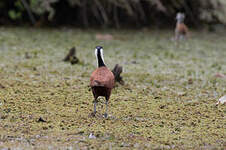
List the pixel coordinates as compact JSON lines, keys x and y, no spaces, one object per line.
{"x":94,"y":109}
{"x":181,"y":37}
{"x":106,"y":112}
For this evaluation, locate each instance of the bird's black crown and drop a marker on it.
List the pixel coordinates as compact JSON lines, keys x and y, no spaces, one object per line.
{"x":99,"y":47}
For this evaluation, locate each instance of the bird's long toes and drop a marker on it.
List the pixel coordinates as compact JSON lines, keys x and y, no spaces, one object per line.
{"x":105,"y":115}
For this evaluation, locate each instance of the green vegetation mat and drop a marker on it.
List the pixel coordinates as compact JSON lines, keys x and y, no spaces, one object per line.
{"x":168,"y":100}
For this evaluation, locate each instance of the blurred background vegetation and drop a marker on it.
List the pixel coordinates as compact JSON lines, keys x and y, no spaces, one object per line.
{"x":111,"y":13}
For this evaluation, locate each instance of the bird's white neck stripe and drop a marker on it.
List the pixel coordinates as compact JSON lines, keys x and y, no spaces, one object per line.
{"x":99,"y":57}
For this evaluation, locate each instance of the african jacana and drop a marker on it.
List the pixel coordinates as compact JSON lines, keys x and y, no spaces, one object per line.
{"x":101,"y":80}
{"x":181,"y":29}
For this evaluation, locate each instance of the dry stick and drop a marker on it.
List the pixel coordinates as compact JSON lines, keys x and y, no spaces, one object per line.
{"x":128,"y":7}
{"x":160,"y":6}
{"x":102,"y":11}
{"x":134,"y":13}
{"x":139,"y":7}
{"x":32,"y":18}
{"x":115,"y":10}
{"x":189,"y":11}
{"x":96,"y":14}
{"x":84,"y":15}
{"x":116,"y":6}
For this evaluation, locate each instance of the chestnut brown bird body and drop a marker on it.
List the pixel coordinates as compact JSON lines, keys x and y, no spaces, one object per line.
{"x":102,"y":77}
{"x":101,"y":80}
{"x":181,"y":29}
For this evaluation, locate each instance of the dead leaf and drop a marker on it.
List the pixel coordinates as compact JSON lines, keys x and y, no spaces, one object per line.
{"x":104,"y":37}
{"x":222,"y":100}
{"x":220,"y":75}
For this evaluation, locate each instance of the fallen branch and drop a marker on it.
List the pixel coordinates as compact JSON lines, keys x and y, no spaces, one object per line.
{"x":31,"y":16}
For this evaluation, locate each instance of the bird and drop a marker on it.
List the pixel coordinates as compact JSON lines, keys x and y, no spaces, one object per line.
{"x":181,"y":29}
{"x":101,"y":81}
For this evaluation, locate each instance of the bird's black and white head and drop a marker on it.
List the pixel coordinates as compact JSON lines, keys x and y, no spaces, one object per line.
{"x":180,"y":17}
{"x":100,"y":56}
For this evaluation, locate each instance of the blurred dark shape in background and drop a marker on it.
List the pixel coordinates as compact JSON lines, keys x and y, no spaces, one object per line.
{"x":117,"y":70}
{"x":71,"y":56}
{"x":111,"y":13}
